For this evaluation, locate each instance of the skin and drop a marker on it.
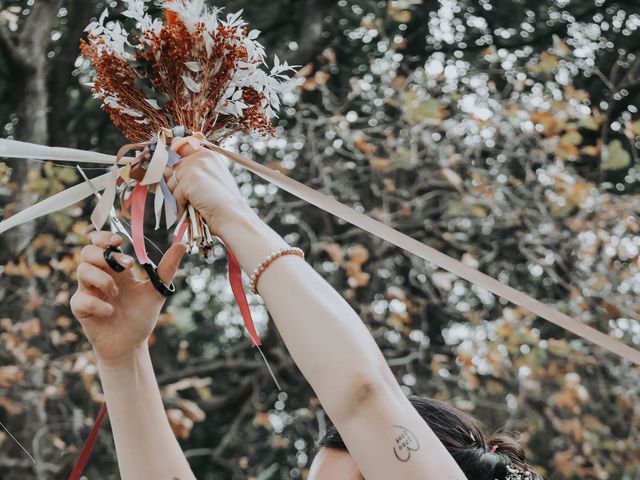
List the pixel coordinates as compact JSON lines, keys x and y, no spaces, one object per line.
{"x":385,"y":435}
{"x":334,"y":464}
{"x":118,"y":313}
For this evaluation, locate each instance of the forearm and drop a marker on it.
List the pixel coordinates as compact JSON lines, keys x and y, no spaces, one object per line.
{"x":325,"y":336}
{"x":145,"y":444}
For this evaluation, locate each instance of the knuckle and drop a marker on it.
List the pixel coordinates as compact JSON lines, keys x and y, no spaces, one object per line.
{"x":78,"y":303}
{"x":102,"y":280}
{"x":186,"y":174}
{"x":109,"y":283}
{"x":198,"y":164}
{"x":101,"y":238}
{"x":91,"y":303}
{"x":83,"y":269}
{"x":85,"y":253}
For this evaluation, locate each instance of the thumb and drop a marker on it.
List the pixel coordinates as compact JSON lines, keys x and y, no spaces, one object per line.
{"x":170,"y":262}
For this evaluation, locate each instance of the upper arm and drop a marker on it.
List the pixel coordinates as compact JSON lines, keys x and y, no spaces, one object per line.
{"x":387,"y":438}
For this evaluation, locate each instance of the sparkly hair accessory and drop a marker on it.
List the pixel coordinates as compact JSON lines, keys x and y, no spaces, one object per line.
{"x":514,"y":474}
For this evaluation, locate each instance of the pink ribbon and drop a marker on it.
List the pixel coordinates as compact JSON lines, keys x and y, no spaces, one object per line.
{"x":138,"y":199}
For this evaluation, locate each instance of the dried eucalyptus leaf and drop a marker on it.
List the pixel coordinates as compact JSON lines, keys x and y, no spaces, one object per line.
{"x":193,"y":66}
{"x":191,"y":84}
{"x":153,"y":103}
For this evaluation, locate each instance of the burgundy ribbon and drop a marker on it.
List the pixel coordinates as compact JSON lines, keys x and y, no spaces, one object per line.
{"x":87,"y":448}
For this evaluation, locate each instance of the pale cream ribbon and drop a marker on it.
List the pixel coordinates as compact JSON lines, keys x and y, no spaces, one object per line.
{"x":348,"y":214}
{"x":66,"y":198}
{"x":101,"y":212}
{"x":432,"y":255}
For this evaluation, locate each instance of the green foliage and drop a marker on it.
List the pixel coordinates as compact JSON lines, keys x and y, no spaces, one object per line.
{"x":616,"y":157}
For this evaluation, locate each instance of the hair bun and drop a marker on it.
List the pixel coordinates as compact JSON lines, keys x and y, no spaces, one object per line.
{"x":509,"y":446}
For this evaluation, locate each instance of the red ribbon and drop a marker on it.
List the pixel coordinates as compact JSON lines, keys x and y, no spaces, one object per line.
{"x":87,"y":448}
{"x":235,"y":279}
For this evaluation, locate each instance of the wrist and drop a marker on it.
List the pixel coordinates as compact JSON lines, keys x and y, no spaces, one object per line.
{"x":238,"y":218}
{"x":125,"y":361}
{"x":250,"y":239}
{"x":247,"y":229}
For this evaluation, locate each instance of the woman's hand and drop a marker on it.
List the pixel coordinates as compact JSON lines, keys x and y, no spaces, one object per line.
{"x":117,"y":311}
{"x":203,"y":180}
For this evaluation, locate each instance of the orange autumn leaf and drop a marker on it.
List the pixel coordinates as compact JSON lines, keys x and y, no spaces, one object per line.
{"x":30,"y":328}
{"x":547,"y":64}
{"x":550,"y":124}
{"x":335,"y":252}
{"x":358,"y":279}
{"x":12,"y":408}
{"x":316,"y":80}
{"x":262,"y":419}
{"x":358,"y":255}
{"x":379,"y":163}
{"x":191,"y":410}
{"x":10,"y":375}
{"x":572,"y":93}
{"x":568,"y":146}
{"x":180,"y":423}
{"x":592,"y":150}
{"x":361,"y":142}
{"x":22,"y":269}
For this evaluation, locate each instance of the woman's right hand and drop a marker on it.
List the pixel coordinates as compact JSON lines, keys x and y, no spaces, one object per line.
{"x":202,"y":179}
{"x":117,"y":311}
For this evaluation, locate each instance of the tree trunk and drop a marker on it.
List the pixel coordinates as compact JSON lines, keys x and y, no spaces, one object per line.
{"x":27,"y":52}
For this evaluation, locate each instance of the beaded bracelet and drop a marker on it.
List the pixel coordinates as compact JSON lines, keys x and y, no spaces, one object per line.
{"x":255,"y":276}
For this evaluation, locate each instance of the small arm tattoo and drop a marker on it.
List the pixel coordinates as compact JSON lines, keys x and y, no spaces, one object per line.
{"x":406,"y":442}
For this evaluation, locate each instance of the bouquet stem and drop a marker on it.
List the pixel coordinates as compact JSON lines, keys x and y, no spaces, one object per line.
{"x":199,"y":237}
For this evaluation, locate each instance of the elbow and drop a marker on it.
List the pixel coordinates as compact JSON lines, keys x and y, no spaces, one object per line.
{"x":364,"y":391}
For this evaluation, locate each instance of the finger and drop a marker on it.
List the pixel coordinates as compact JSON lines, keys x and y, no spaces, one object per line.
{"x":186,"y":146}
{"x":84,"y":304}
{"x":89,"y":274}
{"x":105,"y":239}
{"x":180,"y":194}
{"x":171,"y":177}
{"x":95,"y":256}
{"x":170,"y":262}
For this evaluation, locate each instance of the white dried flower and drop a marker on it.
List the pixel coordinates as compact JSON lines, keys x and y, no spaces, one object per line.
{"x":190,"y":12}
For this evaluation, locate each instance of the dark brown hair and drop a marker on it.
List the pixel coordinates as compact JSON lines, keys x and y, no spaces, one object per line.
{"x":480,"y":456}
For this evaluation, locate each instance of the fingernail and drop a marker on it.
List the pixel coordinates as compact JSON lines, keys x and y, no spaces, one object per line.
{"x":126,"y":260}
{"x":115,"y":291}
{"x":115,"y":238}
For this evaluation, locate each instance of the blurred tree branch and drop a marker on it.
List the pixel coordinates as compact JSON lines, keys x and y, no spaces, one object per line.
{"x":10,"y":49}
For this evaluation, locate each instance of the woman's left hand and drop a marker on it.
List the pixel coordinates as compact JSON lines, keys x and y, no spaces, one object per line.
{"x":117,"y":311}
